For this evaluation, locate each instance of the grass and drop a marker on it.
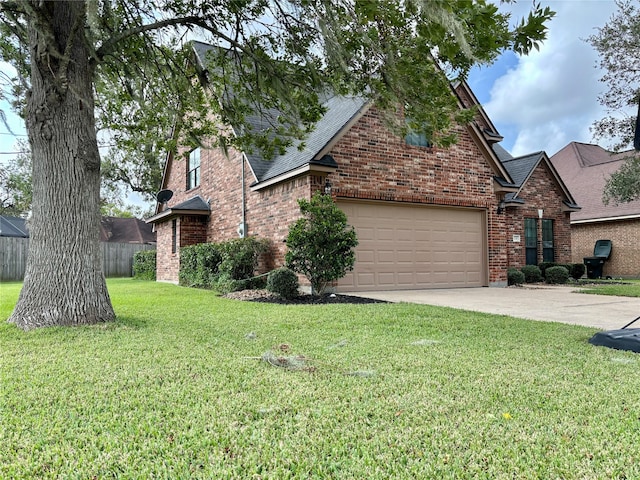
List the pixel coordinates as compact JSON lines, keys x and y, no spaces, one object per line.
{"x":176,"y":389}
{"x":628,"y":288}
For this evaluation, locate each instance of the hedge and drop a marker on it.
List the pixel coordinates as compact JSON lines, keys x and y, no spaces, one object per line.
{"x":144,"y":265}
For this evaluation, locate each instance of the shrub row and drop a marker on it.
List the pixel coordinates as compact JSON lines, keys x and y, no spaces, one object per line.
{"x":144,"y":265}
{"x":224,"y":267}
{"x":550,"y":272}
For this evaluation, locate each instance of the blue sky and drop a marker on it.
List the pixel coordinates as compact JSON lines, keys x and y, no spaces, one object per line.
{"x":550,"y":98}
{"x":539,"y":102}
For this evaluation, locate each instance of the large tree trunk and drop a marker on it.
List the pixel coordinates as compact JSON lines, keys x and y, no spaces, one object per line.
{"x":64,"y":283}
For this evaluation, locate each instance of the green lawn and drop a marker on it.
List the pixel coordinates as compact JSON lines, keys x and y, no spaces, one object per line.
{"x":624,"y":288}
{"x":177,"y":389}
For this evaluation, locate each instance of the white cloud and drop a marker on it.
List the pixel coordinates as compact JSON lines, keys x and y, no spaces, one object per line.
{"x":550,"y":97}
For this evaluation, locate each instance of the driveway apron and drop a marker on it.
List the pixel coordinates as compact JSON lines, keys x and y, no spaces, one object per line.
{"x":546,"y":303}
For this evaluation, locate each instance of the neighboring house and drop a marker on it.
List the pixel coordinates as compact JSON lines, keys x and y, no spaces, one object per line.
{"x":126,"y":230}
{"x":585,"y":169}
{"x":425,"y":217}
{"x":112,"y":229}
{"x":13,"y":227}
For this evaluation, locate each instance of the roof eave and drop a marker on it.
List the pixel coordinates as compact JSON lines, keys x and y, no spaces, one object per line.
{"x":171,"y":213}
{"x":309,"y":168}
{"x":500,"y":185}
{"x":635,"y":216}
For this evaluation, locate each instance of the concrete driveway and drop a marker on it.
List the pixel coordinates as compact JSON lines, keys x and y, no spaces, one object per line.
{"x":547,"y":303}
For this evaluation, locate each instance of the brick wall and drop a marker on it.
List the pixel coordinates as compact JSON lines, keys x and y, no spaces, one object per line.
{"x":374,"y":164}
{"x":540,"y":192}
{"x":625,"y":252}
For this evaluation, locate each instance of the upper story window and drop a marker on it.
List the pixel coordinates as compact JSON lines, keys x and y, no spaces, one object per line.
{"x":193,"y":169}
{"x":417,"y":139}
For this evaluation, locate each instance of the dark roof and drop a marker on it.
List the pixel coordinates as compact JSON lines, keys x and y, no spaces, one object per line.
{"x":339,"y":110}
{"x":126,"y":230}
{"x":195,"y":203}
{"x":193,"y":206}
{"x":13,"y":227}
{"x":520,"y":168}
{"x":585,"y":168}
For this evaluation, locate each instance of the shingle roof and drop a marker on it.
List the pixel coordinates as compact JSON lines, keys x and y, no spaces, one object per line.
{"x":339,"y":110}
{"x":13,"y":227}
{"x":196,"y":203}
{"x":520,"y":168}
{"x":585,"y":168}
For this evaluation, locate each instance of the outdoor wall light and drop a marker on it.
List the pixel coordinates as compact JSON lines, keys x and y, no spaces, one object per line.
{"x":500,"y":207}
{"x":327,"y":187}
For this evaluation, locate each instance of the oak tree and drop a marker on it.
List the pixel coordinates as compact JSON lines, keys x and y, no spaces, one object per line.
{"x":130,"y":60}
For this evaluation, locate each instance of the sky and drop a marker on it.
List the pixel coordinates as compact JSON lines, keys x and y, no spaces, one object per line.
{"x":538,"y":102}
{"x":549,"y":98}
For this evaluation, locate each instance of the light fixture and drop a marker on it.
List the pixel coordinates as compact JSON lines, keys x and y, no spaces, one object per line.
{"x":540,"y":213}
{"x":327,"y":187}
{"x":500,"y":207}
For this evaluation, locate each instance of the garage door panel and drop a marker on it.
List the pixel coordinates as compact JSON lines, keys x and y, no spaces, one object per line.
{"x":409,"y":246}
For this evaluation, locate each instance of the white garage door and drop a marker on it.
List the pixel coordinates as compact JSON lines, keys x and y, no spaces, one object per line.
{"x":405,"y":247}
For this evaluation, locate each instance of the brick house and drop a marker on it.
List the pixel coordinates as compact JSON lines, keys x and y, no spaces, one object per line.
{"x":426,"y":217}
{"x":585,"y":169}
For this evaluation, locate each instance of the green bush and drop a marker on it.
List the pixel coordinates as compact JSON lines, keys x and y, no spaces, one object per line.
{"x":199,"y":264}
{"x":320,"y":245}
{"x":557,"y":275}
{"x":240,"y":257}
{"x":515,"y":277}
{"x":144,"y":265}
{"x":532,"y":273}
{"x":577,"y":270}
{"x":225,"y":267}
{"x":544,"y":265}
{"x":284,"y":282}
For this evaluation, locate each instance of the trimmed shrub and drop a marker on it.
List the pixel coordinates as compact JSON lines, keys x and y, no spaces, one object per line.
{"x":144,"y":265}
{"x":544,"y":265}
{"x":226,"y":267}
{"x":240,"y":256}
{"x":199,"y":265}
{"x":284,"y":282}
{"x":577,"y":270}
{"x":320,"y":244}
{"x":557,"y":275}
{"x":532,"y":273}
{"x":515,"y":277}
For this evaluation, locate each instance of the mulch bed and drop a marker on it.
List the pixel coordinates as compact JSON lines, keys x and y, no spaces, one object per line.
{"x":265,"y":296}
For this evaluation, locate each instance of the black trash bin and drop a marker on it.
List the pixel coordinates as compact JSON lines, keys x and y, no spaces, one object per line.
{"x":594,"y":266}
{"x":601,"y":253}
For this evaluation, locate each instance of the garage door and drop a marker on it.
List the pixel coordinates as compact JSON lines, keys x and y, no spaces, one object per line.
{"x":405,"y":247}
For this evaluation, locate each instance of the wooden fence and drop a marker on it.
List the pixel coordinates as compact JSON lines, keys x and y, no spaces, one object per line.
{"x":117,"y":258}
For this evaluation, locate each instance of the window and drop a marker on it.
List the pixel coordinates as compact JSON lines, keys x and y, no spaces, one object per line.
{"x":531,"y":240}
{"x":193,"y":169}
{"x":415,"y":138}
{"x":548,"y":253}
{"x":174,"y":235}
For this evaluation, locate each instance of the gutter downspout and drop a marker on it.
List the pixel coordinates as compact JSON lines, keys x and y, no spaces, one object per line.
{"x":242,"y":229}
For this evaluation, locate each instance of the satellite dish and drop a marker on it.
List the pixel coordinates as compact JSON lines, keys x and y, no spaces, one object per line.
{"x":163,"y":196}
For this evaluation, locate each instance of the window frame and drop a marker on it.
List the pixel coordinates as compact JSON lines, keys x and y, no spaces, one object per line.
{"x":193,"y":169}
{"x":174,"y":235}
{"x":548,"y":249}
{"x":531,"y":241}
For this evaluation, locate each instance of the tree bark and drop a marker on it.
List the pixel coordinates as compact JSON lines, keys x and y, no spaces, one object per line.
{"x":64,"y":283}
